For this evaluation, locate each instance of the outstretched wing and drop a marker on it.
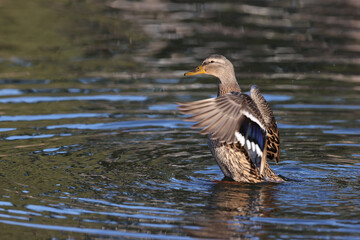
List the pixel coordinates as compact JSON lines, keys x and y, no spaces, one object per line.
{"x":273,"y":146}
{"x":231,"y":118}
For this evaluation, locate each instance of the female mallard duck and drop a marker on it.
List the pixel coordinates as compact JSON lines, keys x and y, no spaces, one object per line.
{"x":242,"y":130}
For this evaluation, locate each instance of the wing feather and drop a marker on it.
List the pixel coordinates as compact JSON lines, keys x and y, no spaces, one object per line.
{"x":273,"y":143}
{"x":227,"y":117}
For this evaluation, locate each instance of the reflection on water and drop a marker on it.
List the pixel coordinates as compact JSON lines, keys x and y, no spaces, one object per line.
{"x":92,"y":145}
{"x":231,"y":207}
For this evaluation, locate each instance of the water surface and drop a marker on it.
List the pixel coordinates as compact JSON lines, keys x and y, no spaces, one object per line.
{"x":93,"y":145}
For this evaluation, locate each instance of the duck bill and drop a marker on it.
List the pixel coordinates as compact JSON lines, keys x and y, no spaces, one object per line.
{"x":196,"y":71}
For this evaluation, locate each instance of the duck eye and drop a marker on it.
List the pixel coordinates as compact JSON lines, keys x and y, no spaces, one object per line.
{"x":212,"y":61}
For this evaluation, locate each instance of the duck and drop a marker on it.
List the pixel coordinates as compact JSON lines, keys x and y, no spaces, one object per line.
{"x":242,"y":130}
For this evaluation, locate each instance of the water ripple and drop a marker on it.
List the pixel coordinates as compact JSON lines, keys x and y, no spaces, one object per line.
{"x":294,"y":126}
{"x":6,"y":92}
{"x":7,"y":129}
{"x":51,"y":116}
{"x":135,"y":207}
{"x":94,"y":231}
{"x":312,"y":222}
{"x":346,"y":131}
{"x":23,"y":137}
{"x":3,"y":203}
{"x":78,"y":211}
{"x":343,"y":144}
{"x":36,"y":99}
{"x":318,"y":106}
{"x":11,"y":216}
{"x":124,"y":124}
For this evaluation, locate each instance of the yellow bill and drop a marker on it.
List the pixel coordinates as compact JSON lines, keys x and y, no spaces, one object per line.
{"x":196,"y":71}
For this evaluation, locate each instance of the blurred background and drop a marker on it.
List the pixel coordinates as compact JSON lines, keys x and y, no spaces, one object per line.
{"x":92,"y":146}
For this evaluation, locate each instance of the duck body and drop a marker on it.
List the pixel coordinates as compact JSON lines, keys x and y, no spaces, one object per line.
{"x":242,"y":131}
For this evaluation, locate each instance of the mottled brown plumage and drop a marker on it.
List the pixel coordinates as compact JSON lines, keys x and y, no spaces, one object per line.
{"x":241,"y":129}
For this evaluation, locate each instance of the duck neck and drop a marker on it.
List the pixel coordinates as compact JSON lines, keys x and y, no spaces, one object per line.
{"x":225,"y":87}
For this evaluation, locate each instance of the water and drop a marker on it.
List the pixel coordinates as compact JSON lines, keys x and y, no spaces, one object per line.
{"x":92,"y":145}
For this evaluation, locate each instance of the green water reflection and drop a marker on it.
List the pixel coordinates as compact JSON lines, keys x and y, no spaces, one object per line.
{"x":65,"y":39}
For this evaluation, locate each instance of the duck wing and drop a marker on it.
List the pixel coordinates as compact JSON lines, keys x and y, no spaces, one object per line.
{"x":231,"y":118}
{"x":273,"y":138}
